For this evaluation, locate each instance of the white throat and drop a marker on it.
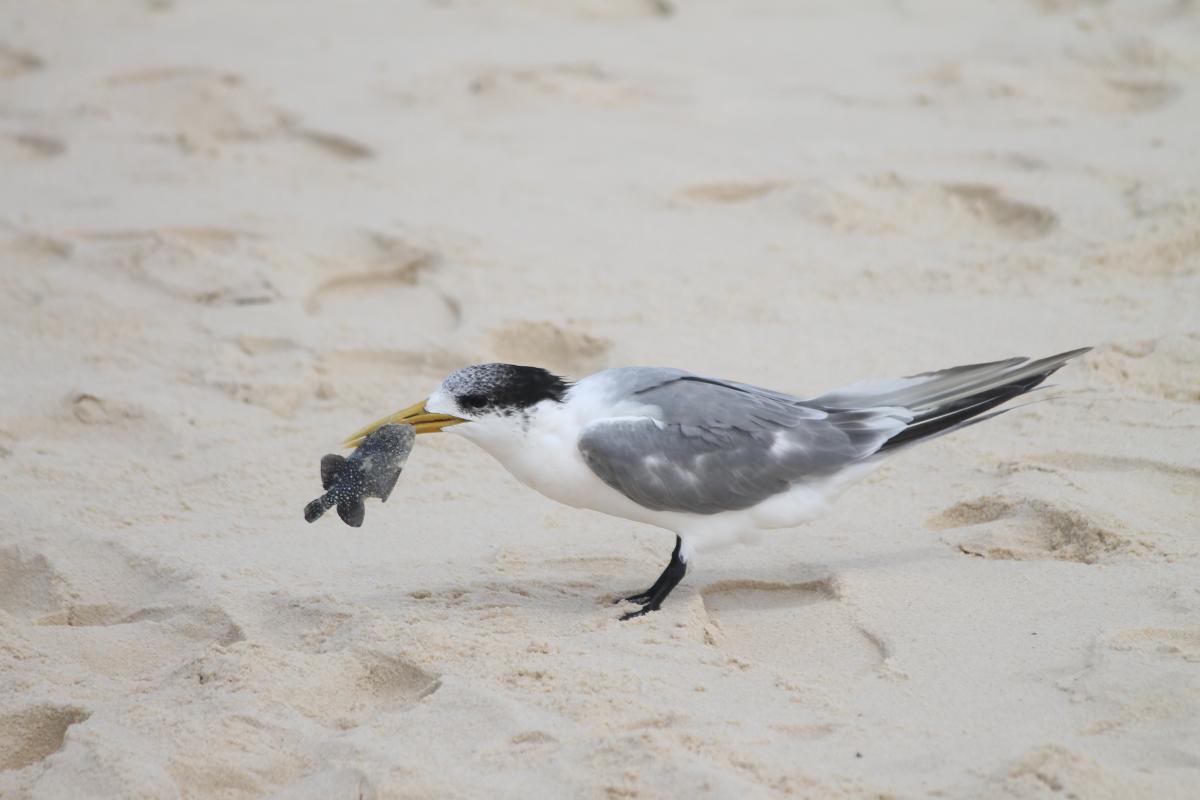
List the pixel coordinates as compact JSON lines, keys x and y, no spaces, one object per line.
{"x":537,"y":445}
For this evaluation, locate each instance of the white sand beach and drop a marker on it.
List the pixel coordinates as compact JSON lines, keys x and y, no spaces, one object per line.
{"x":232,"y":233}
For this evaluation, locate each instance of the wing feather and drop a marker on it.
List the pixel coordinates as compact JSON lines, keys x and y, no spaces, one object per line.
{"x":711,"y":446}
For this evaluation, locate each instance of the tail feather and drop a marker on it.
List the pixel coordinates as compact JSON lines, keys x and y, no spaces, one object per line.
{"x":929,"y":391}
{"x":961,"y":413}
{"x":952,"y":398}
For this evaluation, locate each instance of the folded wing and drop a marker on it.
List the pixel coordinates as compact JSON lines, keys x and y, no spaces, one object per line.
{"x":712,"y":446}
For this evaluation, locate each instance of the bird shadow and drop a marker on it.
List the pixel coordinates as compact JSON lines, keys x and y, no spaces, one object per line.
{"x":802,"y":581}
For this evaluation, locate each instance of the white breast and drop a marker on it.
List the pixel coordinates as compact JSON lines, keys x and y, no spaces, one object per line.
{"x":542,"y":449}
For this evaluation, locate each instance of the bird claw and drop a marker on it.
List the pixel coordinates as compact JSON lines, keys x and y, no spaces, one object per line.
{"x":641,"y":598}
{"x":651,"y":599}
{"x":640,"y":612}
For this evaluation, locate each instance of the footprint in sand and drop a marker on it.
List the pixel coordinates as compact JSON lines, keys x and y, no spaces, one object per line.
{"x":1083,"y":84}
{"x":1165,"y":643}
{"x":889,"y":203}
{"x":382,"y":293}
{"x":96,"y":605}
{"x":33,"y":247}
{"x":1124,"y":95}
{"x":194,"y":108}
{"x":731,"y":191}
{"x":110,"y":641}
{"x":89,"y":584}
{"x":29,"y":586}
{"x":209,"y":266}
{"x":382,"y":310}
{"x":276,"y":384}
{"x":219,"y":268}
{"x":801,"y":629}
{"x":31,"y":734}
{"x":338,"y":689}
{"x":92,"y":410}
{"x":385,"y":264}
{"x":1026,"y":529}
{"x":989,"y":206}
{"x":336,"y":144}
{"x":23,"y":148}
{"x":394,"y":681}
{"x":1184,"y":476}
{"x":1054,"y":771}
{"x":15,"y":62}
{"x":199,"y":110}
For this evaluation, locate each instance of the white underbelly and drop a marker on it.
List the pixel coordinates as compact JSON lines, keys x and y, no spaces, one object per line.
{"x":560,"y":473}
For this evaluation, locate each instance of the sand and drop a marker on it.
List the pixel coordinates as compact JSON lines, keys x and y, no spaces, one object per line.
{"x":232,"y":233}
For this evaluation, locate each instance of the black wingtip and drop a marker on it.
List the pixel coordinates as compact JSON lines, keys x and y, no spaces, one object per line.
{"x":971,"y":409}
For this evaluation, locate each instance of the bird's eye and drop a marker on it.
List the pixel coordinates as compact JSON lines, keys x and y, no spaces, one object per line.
{"x":473,"y":401}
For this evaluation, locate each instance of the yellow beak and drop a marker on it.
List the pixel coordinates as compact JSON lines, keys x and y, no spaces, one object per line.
{"x":415,"y":415}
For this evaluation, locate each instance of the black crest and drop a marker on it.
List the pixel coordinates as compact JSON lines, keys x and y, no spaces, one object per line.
{"x":504,"y":386}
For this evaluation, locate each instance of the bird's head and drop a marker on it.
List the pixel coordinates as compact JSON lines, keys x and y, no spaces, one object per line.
{"x":487,"y":395}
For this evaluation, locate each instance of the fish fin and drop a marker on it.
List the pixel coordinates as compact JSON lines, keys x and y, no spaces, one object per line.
{"x":389,"y":484}
{"x":331,"y":466}
{"x":314,"y":510}
{"x":352,"y":512}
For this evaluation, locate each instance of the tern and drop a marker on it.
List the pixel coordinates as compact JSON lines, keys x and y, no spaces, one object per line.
{"x":714,"y":461}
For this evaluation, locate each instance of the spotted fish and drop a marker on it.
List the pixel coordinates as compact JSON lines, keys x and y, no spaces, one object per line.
{"x":371,"y":471}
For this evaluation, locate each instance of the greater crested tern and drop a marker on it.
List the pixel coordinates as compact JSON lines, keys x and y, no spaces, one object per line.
{"x":713,"y":461}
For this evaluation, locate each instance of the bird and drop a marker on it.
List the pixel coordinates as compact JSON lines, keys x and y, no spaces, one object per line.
{"x":713,"y":461}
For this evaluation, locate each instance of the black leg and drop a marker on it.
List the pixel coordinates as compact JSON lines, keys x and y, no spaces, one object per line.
{"x":641,"y":598}
{"x":652,"y":598}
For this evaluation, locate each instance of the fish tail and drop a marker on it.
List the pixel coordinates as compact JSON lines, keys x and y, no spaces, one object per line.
{"x":314,"y":510}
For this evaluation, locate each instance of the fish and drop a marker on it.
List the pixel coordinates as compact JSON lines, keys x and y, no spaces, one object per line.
{"x":371,"y":471}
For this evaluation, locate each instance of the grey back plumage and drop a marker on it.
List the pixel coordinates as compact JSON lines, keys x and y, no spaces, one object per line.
{"x":707,"y":446}
{"x":712,"y":446}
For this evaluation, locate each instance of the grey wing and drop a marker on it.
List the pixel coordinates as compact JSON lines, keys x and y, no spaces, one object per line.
{"x":709,"y":446}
